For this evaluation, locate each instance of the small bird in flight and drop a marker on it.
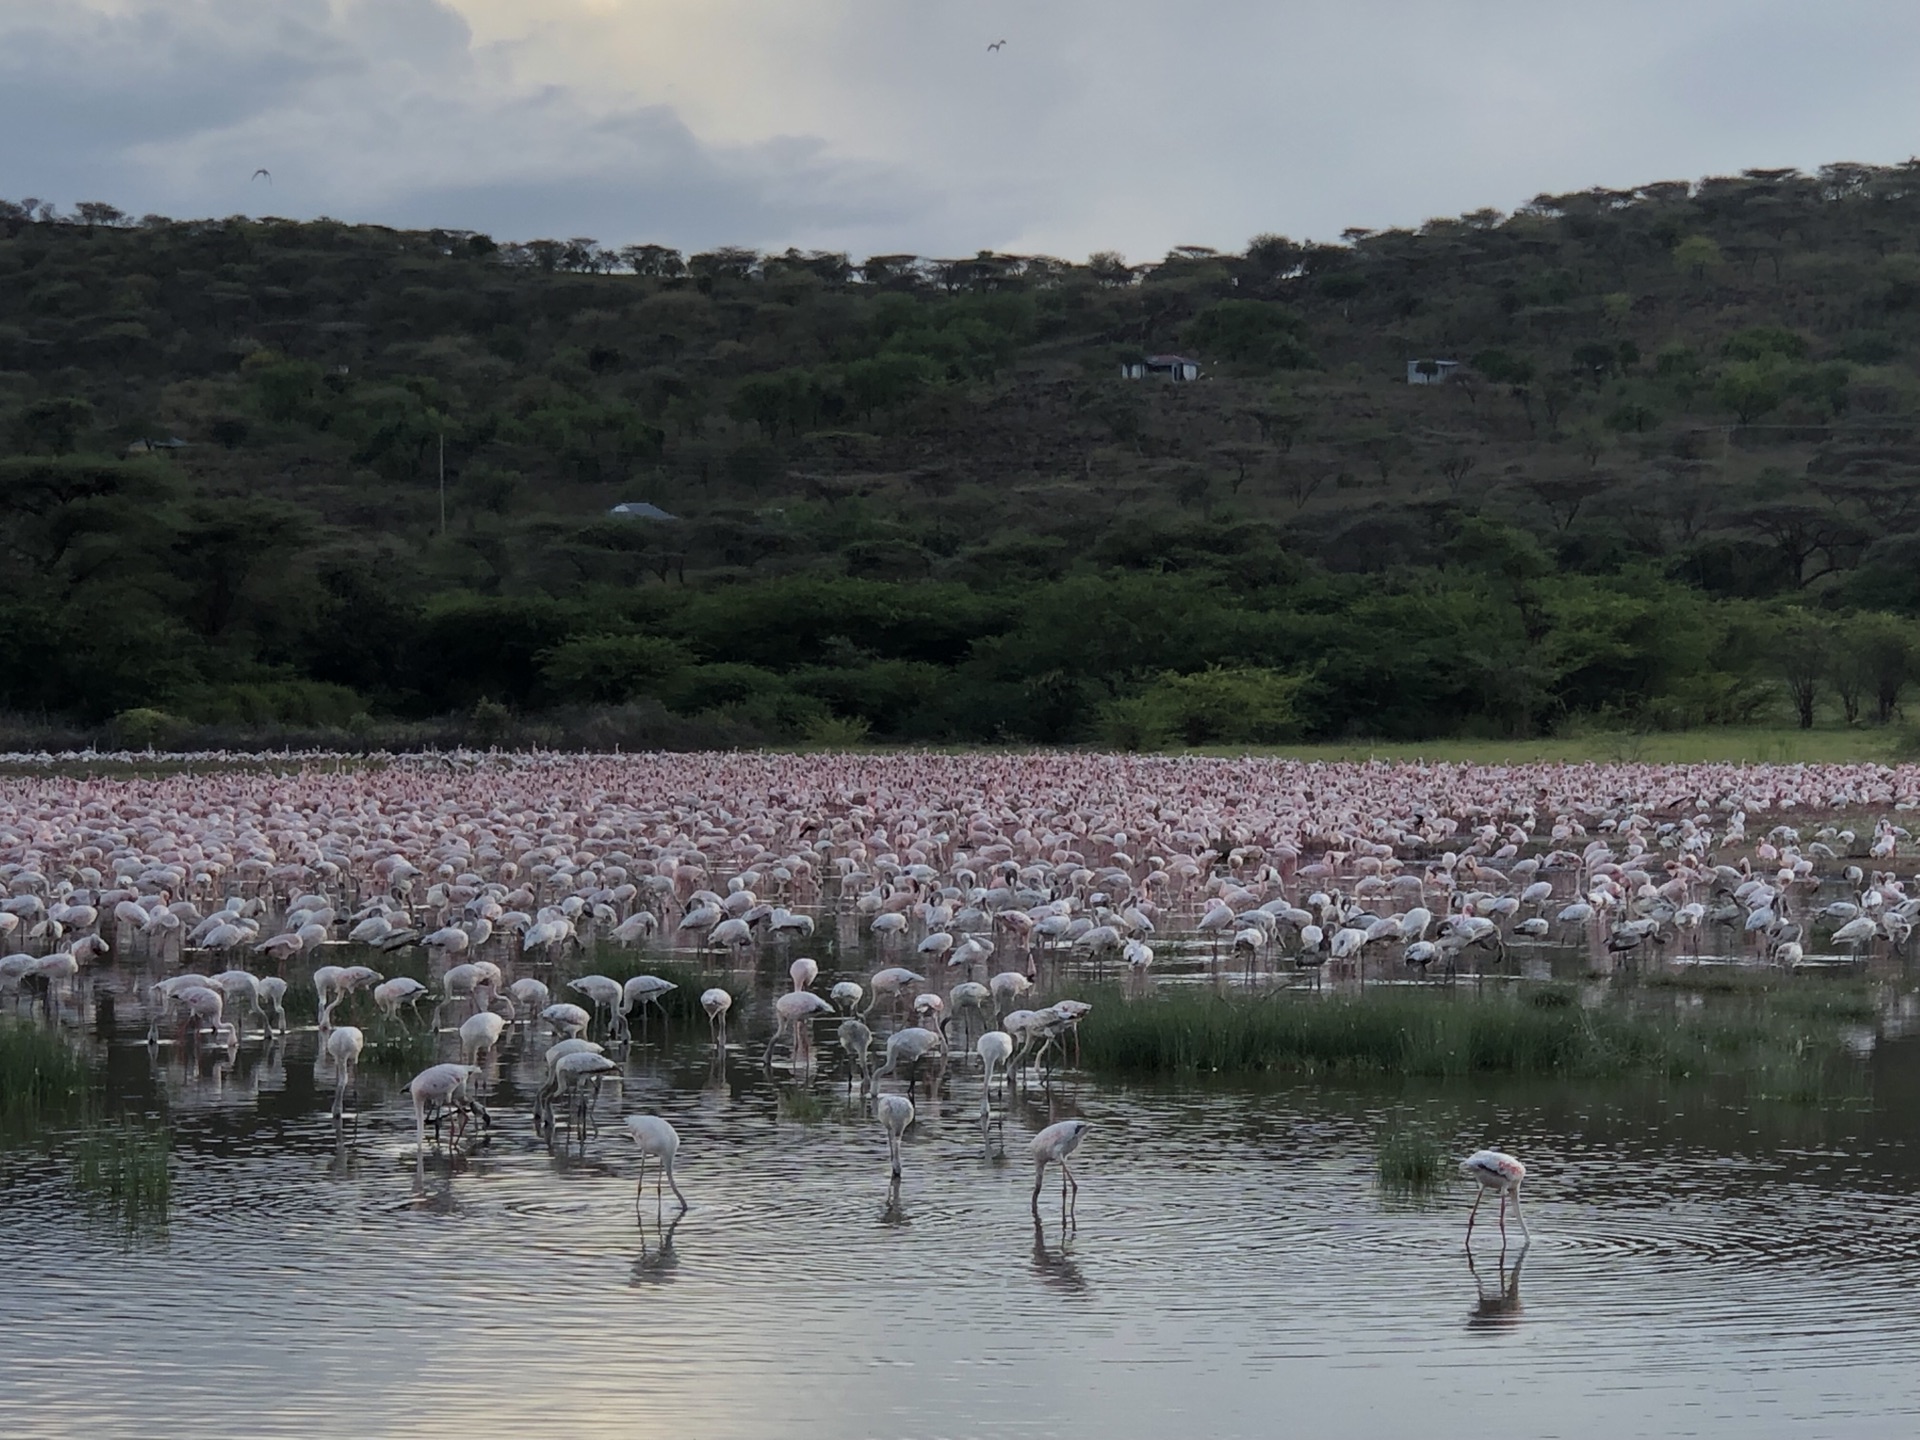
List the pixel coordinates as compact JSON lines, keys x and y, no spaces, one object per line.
{"x":258,"y":173}
{"x":996,"y":44}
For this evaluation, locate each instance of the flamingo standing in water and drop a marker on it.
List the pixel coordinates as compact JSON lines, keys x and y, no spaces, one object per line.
{"x":855,"y":1040}
{"x":344,"y":1044}
{"x":438,"y":1087}
{"x":1499,"y":1173}
{"x":895,"y":1114}
{"x":792,"y":1011}
{"x":659,"y":1142}
{"x":909,"y":1047}
{"x":716,"y":1002}
{"x":994,"y":1048}
{"x":1052,"y":1146}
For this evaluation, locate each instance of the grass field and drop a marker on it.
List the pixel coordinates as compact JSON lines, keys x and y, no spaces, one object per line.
{"x":1783,"y":1041}
{"x":1755,"y":746}
{"x":1752,"y":745}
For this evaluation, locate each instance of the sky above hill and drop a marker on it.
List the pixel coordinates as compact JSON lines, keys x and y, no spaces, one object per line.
{"x":888,"y":125}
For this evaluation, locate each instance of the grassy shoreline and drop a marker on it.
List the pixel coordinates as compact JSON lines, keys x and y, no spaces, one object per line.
{"x":1786,"y":1043}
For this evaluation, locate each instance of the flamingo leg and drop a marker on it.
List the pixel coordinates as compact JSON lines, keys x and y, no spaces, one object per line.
{"x":1478,"y":1196}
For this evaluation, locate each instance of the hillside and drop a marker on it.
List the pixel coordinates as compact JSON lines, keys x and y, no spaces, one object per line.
{"x":1674,"y":480}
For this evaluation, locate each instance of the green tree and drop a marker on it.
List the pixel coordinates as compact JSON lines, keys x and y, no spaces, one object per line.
{"x":52,"y":426}
{"x":610,"y":668}
{"x":1698,"y":255}
{"x":1227,"y":706}
{"x":1802,"y":645}
{"x":1750,"y":389}
{"x":1252,"y":332}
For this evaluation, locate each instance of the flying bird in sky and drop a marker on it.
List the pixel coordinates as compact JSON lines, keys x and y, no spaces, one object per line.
{"x":996,"y":44}
{"x":258,"y":173}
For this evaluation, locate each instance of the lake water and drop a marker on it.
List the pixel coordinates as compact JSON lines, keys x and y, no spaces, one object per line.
{"x":1700,"y":1266}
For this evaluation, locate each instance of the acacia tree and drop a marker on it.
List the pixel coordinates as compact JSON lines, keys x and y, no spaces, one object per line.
{"x":1802,"y":645}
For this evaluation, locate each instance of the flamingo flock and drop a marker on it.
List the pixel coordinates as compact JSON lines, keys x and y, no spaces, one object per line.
{"x":233,"y":875}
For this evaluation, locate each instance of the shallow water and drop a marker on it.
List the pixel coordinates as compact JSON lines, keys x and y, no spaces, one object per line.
{"x":1700,"y":1266}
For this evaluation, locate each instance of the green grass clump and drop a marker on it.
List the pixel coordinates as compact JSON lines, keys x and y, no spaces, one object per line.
{"x":120,"y":1172}
{"x":1409,"y":1161}
{"x":801,"y":1106}
{"x":395,"y":1049}
{"x":1402,"y":1032}
{"x":42,"y":1077}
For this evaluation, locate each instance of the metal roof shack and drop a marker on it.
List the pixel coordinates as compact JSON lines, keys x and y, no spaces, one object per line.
{"x":1173,"y":367}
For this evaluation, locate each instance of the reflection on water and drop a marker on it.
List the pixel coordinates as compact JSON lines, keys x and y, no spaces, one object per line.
{"x":1496,"y":1303}
{"x":1701,"y":1263}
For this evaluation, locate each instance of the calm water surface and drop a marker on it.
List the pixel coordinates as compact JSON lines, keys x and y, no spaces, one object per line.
{"x":1700,"y":1267}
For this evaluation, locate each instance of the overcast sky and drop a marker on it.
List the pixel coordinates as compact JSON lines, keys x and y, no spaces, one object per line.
{"x":887,"y":125}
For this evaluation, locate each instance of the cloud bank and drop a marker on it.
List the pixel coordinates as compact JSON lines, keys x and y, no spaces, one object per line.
{"x":878,"y":125}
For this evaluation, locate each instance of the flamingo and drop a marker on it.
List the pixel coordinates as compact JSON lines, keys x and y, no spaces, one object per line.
{"x":909,"y":1047}
{"x":1053,"y":1146}
{"x":791,"y":1013}
{"x":994,"y":1048}
{"x":804,"y":973}
{"x":567,"y":1021}
{"x":716,"y":1002}
{"x":895,"y":1114}
{"x":1007,"y":987}
{"x":390,"y":995}
{"x":855,"y":1040}
{"x":480,"y":1033}
{"x":273,"y":994}
{"x":578,"y":1074}
{"x":603,"y":991}
{"x":645,"y":990}
{"x":1499,"y":1173}
{"x":437,"y":1088}
{"x":344,"y":1044}
{"x":660,"y":1142}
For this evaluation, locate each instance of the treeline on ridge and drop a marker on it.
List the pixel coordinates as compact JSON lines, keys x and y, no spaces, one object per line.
{"x":260,"y":476}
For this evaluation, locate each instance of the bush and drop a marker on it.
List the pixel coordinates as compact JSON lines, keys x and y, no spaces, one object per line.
{"x":264,"y":703}
{"x":1226,"y":706}
{"x":836,"y":732}
{"x":610,"y":668}
{"x":144,"y":728}
{"x":1252,"y":332}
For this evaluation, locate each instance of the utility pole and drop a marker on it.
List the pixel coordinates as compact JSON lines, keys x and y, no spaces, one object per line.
{"x":443,"y":482}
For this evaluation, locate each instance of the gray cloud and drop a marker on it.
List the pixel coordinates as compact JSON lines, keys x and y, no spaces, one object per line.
{"x":878,"y":124}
